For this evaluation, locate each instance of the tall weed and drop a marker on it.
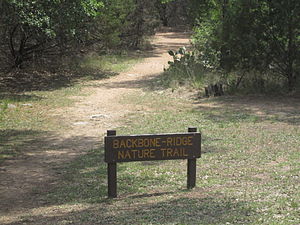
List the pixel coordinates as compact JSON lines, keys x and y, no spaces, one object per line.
{"x":187,"y":69}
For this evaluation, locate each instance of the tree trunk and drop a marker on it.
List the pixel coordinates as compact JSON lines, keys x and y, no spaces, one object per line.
{"x":291,"y":56}
{"x":292,"y":80}
{"x":225,"y":36}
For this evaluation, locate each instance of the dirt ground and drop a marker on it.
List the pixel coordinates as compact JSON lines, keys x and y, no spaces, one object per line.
{"x":25,"y":180}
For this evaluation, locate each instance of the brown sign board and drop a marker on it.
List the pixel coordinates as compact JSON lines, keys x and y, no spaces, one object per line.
{"x":152,"y":147}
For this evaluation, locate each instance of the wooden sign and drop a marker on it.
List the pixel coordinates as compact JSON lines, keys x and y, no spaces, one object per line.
{"x":151,"y":147}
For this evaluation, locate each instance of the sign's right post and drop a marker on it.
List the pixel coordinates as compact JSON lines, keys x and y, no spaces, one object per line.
{"x":191,"y":166}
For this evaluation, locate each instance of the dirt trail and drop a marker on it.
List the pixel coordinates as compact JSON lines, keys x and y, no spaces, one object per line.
{"x":104,"y":103}
{"x":26,"y":180}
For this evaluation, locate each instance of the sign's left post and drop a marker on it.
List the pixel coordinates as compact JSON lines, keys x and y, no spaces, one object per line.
{"x":112,"y":173}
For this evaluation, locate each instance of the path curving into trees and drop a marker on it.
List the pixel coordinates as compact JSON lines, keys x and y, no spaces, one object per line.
{"x":27,"y":180}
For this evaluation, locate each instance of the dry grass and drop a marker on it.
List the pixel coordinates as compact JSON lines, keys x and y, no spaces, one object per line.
{"x":249,"y":172}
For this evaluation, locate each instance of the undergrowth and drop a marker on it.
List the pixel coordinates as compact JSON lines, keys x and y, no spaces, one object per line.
{"x":188,"y":68}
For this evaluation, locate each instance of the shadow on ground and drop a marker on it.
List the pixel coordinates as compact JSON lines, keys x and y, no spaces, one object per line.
{"x":53,"y":77}
{"x":51,"y":156}
{"x":230,"y":109}
{"x":151,"y":83}
{"x":77,"y":194}
{"x":176,"y":210}
{"x":46,"y":81}
{"x":12,"y":142}
{"x":19,"y":97}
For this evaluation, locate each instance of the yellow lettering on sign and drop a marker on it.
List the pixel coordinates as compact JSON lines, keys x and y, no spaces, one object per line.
{"x":150,"y":153}
{"x":169,"y":152}
{"x":152,"y":156}
{"x":140,"y":154}
{"x":163,"y":151}
{"x":190,"y":140}
{"x":146,"y":153}
{"x":134,"y":143}
{"x":156,"y":142}
{"x":179,"y":141}
{"x":116,"y":144}
{"x":134,"y":153}
{"x":169,"y":141}
{"x":121,"y":155}
{"x":124,"y":155}
{"x":173,"y":152}
{"x":176,"y":152}
{"x":122,"y":144}
{"x":146,"y":142}
{"x":152,"y":142}
{"x":127,"y":155}
{"x":140,"y":143}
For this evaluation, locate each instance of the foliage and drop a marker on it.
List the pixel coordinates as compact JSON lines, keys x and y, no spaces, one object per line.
{"x":141,"y":21}
{"x":187,"y":68}
{"x":232,"y":39}
{"x":108,"y":25}
{"x":30,"y":29}
{"x":183,"y":68}
{"x":238,"y":37}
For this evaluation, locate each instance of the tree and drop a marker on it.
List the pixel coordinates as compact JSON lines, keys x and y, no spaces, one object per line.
{"x":251,"y":35}
{"x":30,"y":29}
{"x":282,"y":35}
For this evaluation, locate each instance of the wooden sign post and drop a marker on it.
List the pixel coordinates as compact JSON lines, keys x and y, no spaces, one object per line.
{"x":112,"y":172}
{"x":191,"y":165}
{"x":151,"y":147}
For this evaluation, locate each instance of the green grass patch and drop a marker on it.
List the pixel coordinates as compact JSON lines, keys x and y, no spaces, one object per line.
{"x":115,"y":63}
{"x":26,"y":115}
{"x":248,"y":173}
